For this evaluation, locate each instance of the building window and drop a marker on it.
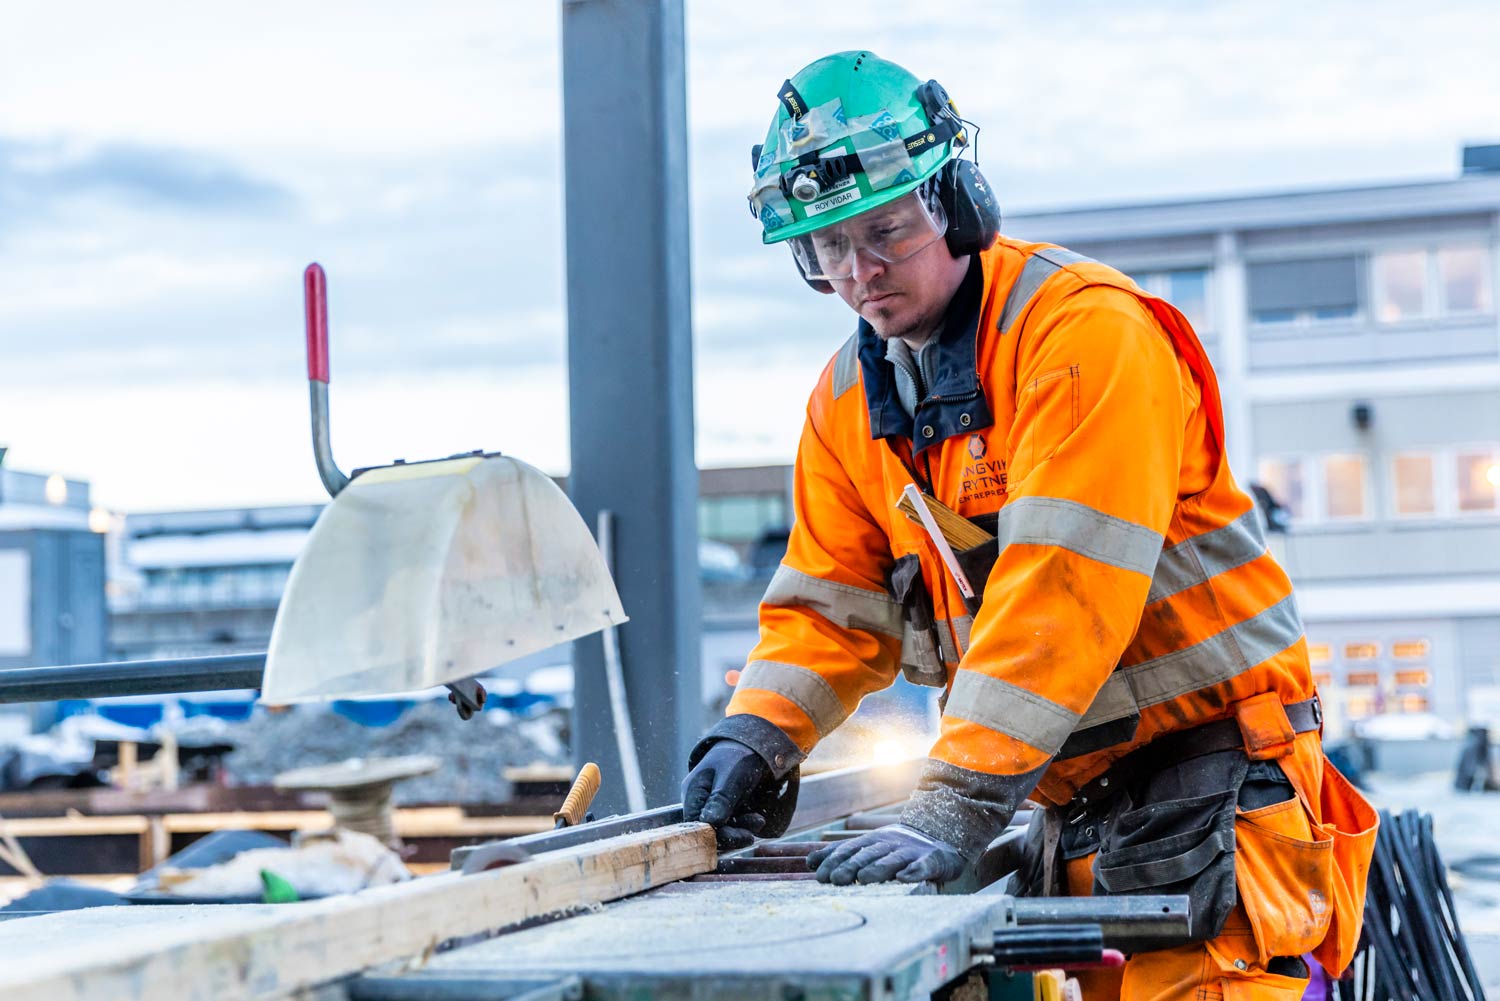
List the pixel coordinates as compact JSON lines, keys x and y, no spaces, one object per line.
{"x":1400,"y":285}
{"x":1186,"y":288}
{"x":1416,"y":483}
{"x":740,"y":518}
{"x":1344,"y":486}
{"x":1284,"y":479}
{"x":1446,"y":281}
{"x":1361,"y":651}
{"x":1478,"y":480}
{"x":1318,"y":488}
{"x":1464,"y":279}
{"x":1411,"y":650}
{"x":1304,"y":291}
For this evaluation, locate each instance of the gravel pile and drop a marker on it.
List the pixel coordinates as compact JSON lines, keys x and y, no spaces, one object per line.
{"x":475,"y":753}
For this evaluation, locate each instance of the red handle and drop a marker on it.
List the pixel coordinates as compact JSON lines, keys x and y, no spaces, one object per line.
{"x":315,"y":302}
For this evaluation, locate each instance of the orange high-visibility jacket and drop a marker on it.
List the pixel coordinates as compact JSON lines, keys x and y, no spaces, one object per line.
{"x":1133,"y":594}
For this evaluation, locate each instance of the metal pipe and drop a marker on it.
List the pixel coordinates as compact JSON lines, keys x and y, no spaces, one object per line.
{"x":131,"y":677}
{"x":630,"y":762}
{"x":1130,"y":924}
{"x":315,"y":308}
{"x":333,"y":478}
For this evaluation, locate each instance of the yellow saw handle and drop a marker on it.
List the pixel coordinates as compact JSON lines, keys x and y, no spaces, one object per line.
{"x":576,"y":806}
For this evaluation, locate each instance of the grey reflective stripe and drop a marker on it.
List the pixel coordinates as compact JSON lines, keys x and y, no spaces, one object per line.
{"x":946,"y":628}
{"x":846,"y":366}
{"x":1219,"y":658}
{"x":1114,"y":701}
{"x":921,"y":661}
{"x":842,"y":604}
{"x":805,"y":688}
{"x":1195,"y":560}
{"x":1011,"y":710}
{"x":963,"y":625}
{"x":949,"y":652}
{"x":1078,"y":528}
{"x":1038,"y":268}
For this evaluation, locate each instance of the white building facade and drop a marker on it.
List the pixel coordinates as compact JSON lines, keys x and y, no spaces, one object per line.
{"x":1355,"y":336}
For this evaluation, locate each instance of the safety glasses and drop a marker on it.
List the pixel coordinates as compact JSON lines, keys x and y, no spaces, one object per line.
{"x":889,"y":234}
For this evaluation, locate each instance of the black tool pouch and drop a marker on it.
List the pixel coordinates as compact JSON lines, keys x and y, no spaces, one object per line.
{"x":977,"y":561}
{"x":921,"y":657}
{"x":1173,"y":833}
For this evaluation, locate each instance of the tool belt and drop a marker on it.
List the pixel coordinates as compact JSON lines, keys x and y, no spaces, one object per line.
{"x":1162,"y":818}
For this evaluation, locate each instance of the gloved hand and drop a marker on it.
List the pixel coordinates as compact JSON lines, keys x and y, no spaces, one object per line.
{"x":714,"y":790}
{"x":895,"y":851}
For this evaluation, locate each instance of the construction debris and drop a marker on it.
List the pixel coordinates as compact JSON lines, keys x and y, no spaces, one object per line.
{"x":342,"y":862}
{"x":474,"y":754}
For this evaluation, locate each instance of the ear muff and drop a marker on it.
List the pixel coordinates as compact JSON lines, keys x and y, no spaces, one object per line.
{"x":973,"y":214}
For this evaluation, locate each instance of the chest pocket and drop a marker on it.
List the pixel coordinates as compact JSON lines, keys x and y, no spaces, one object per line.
{"x":1048,"y":411}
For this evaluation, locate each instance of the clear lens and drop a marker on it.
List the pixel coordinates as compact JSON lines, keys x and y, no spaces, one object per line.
{"x":889,"y":234}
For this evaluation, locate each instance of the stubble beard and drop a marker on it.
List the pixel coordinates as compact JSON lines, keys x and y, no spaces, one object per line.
{"x":886,"y":328}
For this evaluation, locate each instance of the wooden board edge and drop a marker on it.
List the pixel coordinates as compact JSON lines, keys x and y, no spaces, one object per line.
{"x":272,"y":952}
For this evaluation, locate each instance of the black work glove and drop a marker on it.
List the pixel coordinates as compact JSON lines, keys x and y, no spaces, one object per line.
{"x":892,"y":852}
{"x":718,"y":785}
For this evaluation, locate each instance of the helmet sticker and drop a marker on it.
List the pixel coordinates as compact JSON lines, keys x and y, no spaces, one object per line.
{"x":818,"y":128}
{"x":842,"y":193}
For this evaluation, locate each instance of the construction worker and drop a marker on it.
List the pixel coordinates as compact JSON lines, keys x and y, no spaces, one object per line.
{"x":1131,"y":657}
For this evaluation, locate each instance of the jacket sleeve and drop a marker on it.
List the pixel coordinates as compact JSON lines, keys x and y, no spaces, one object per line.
{"x":1094,"y":456}
{"x":830,"y":633}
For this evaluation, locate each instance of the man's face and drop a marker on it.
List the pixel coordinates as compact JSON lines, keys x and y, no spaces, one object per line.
{"x":907,"y":299}
{"x":892,"y":266}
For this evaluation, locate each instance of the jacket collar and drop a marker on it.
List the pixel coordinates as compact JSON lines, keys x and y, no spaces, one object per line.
{"x":955,"y":403}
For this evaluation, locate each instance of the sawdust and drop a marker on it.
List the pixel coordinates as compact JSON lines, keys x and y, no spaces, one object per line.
{"x":475,"y":753}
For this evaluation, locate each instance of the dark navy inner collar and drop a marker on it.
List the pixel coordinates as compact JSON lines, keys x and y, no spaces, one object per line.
{"x":955,"y":404}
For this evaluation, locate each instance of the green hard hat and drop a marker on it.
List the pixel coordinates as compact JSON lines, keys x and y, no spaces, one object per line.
{"x":853,"y":132}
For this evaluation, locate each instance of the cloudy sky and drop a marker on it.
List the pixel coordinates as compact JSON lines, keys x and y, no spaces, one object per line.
{"x":167,"y":169}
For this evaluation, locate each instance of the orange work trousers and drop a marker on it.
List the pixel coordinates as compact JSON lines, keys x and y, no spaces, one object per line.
{"x":1228,"y":967}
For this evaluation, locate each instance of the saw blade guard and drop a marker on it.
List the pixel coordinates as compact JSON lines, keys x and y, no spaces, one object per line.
{"x":422,"y":574}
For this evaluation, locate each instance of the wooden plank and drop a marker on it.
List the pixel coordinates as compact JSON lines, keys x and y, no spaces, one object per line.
{"x":415,"y":822}
{"x":57,"y":827}
{"x":227,"y":953}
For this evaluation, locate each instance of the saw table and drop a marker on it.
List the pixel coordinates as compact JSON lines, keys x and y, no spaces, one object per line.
{"x":631,"y":907}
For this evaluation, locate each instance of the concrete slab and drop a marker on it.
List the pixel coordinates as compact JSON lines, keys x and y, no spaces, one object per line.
{"x":747,"y":940}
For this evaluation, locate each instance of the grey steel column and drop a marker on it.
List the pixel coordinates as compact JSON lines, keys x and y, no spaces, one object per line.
{"x":630,"y":372}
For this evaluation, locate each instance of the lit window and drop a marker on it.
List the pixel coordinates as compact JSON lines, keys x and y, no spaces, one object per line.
{"x":1413,"y":704}
{"x":1400,"y":285}
{"x":1283,"y":478}
{"x":1344,"y":486}
{"x":1319,"y":653}
{"x":1322,"y":679}
{"x":1360,"y":651}
{"x":1416,"y":483}
{"x":1464,"y":274}
{"x":1359,"y":706}
{"x":1414,"y":678}
{"x":1410,"y":650}
{"x":1478,"y":481}
{"x":1364,"y":679}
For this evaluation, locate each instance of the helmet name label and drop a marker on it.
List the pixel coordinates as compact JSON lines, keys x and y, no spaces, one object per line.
{"x":842,"y":193}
